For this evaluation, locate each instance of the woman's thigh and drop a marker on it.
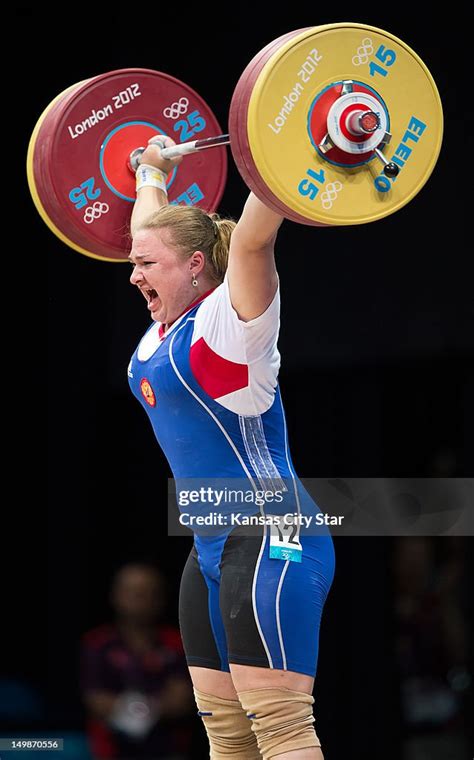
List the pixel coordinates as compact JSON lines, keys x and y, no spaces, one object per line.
{"x":215,"y":682}
{"x":272,"y":608}
{"x":261,"y":615}
{"x":246,"y":677}
{"x":200,"y":619}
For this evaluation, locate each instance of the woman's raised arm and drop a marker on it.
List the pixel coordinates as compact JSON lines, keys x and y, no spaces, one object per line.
{"x":252,"y":274}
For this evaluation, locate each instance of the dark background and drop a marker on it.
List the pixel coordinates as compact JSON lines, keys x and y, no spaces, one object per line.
{"x":377,"y":343}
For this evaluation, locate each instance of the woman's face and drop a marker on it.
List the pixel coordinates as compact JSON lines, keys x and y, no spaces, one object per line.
{"x":163,"y":278}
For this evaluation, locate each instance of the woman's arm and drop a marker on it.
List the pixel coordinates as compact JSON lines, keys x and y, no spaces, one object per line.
{"x":150,"y":199}
{"x":251,"y":274}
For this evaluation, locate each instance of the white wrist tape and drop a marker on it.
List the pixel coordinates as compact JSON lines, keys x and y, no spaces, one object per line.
{"x":150,"y":176}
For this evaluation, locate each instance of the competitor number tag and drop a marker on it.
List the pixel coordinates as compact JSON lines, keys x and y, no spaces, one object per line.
{"x":284,"y":542}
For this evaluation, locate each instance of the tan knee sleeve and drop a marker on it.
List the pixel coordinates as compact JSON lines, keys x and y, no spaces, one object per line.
{"x":282,"y":719}
{"x":228,"y":728}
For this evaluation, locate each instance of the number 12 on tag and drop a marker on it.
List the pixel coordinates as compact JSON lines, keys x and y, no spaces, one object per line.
{"x":284,"y":542}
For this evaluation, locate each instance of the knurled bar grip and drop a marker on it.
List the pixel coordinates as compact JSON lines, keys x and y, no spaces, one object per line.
{"x":194,"y":145}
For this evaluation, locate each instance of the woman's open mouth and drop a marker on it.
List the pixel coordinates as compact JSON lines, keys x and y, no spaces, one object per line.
{"x":152,"y":298}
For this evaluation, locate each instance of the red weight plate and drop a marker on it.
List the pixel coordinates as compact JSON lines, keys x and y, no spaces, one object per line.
{"x":30,"y":161}
{"x":81,"y":151}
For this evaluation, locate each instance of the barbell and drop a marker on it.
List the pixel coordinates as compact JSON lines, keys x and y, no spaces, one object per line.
{"x":338,"y":124}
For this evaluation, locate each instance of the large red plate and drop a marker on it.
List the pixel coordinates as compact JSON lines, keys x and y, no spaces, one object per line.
{"x":79,"y":176}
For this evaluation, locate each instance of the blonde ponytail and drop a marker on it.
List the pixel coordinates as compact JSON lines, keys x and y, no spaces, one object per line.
{"x":220,"y":250}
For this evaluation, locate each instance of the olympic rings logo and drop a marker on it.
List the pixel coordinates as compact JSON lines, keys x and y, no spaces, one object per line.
{"x":176,"y":109}
{"x":95,"y":211}
{"x":363,"y":52}
{"x":330,"y":195}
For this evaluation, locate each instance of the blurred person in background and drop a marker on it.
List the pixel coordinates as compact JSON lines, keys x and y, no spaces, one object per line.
{"x":134,"y":678}
{"x":432,"y":646}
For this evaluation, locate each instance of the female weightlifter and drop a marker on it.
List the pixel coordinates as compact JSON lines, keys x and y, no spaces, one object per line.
{"x":206,"y":374}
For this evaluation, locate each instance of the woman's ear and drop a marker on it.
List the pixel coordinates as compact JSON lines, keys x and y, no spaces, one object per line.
{"x":197,"y":262}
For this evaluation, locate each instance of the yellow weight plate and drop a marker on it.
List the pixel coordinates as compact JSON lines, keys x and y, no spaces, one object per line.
{"x":312,"y":185}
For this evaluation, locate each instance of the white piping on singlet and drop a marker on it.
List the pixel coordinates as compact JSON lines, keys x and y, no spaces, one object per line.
{"x":253,"y":434}
{"x":244,"y":466}
{"x":255,"y":442}
{"x":280,"y":635}
{"x":254,"y":596}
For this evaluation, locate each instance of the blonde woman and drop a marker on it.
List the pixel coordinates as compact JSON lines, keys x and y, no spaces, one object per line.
{"x":206,"y":374}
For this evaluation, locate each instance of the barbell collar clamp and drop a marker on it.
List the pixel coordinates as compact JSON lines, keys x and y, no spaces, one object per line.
{"x":390,"y":169}
{"x":326,"y":144}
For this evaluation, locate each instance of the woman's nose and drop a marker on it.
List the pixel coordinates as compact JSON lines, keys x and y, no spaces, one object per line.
{"x":135,"y":276}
